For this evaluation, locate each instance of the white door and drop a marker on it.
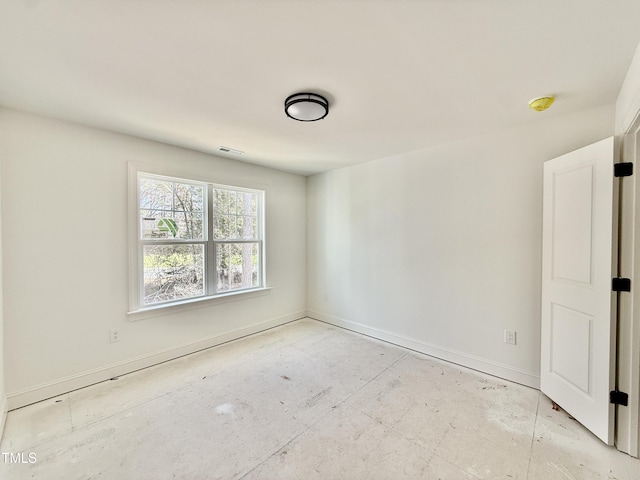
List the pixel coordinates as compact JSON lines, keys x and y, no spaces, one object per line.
{"x":578,"y":327}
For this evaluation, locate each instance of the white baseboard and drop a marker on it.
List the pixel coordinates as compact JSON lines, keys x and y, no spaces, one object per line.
{"x":74,"y":382}
{"x":460,"y":358}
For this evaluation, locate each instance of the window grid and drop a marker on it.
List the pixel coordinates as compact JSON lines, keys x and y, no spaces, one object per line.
{"x":213,"y":247}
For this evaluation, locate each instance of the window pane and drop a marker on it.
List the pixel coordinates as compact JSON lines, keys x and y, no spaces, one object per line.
{"x":232,"y":202}
{"x":237,"y":266}
{"x":155,"y":194}
{"x":221,"y":226}
{"x":220,"y":201}
{"x":248,"y":230}
{"x":235,"y":215}
{"x":190,"y":227}
{"x":156,"y":225}
{"x":173,"y":272}
{"x":246,"y":203}
{"x":188,"y":198}
{"x":171,"y":209}
{"x":239,"y":227}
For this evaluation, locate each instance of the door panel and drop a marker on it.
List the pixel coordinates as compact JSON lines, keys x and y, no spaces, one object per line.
{"x":571,"y":331}
{"x":577,"y":360}
{"x":572,"y":222}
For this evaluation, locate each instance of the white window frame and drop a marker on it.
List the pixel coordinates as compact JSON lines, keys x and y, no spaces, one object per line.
{"x":137,"y":308}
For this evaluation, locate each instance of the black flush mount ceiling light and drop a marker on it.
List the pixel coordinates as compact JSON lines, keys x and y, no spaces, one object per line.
{"x":306,"y":107}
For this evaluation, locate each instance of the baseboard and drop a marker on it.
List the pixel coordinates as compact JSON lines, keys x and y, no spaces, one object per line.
{"x":74,"y":382}
{"x":459,"y":358}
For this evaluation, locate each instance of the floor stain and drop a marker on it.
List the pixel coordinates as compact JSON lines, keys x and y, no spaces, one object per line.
{"x":317,"y":397}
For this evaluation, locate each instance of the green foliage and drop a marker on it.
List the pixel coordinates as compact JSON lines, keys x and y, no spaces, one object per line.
{"x":173,"y":260}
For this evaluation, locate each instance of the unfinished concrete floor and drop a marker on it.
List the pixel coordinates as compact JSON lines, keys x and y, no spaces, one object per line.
{"x":306,"y":401}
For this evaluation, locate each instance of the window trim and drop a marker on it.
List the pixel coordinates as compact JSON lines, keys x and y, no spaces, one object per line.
{"x":137,"y":310}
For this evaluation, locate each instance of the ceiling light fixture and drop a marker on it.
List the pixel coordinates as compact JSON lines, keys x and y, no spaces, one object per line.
{"x":541,"y":103}
{"x":306,"y":107}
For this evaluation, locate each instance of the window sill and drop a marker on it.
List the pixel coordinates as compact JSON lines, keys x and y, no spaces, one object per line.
{"x":194,"y":303}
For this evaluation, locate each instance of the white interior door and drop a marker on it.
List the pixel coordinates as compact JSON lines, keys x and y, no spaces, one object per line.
{"x":578,"y":327}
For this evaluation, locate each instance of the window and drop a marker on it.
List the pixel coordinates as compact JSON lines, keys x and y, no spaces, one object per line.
{"x":196,"y":240}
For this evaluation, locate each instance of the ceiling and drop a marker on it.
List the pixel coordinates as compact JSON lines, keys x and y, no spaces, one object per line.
{"x":400,"y":75}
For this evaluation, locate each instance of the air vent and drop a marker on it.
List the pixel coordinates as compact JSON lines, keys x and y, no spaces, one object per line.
{"x":229,"y":150}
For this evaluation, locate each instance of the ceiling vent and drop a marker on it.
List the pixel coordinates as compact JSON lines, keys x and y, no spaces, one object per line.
{"x":229,"y":150}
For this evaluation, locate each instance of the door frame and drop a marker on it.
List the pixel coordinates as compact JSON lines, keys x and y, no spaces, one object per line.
{"x":628,"y":418}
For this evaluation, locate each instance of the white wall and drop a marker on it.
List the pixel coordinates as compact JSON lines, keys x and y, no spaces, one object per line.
{"x":628,"y":103}
{"x":440,"y":250}
{"x":64,"y":222}
{"x":3,"y":398}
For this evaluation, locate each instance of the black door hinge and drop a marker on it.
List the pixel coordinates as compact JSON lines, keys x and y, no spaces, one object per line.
{"x":618,"y":398}
{"x":623,"y":169}
{"x":621,"y":284}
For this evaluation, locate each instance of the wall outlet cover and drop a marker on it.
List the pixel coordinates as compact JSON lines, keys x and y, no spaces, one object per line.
{"x":510,"y":337}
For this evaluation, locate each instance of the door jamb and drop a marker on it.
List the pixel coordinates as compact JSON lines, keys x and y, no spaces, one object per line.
{"x":628,"y":374}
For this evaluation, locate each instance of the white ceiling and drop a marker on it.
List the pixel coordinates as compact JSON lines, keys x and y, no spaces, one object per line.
{"x":400,"y":75}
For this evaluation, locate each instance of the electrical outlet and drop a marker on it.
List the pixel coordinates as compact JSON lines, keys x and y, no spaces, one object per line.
{"x":114,"y":336}
{"x":510,"y":337}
